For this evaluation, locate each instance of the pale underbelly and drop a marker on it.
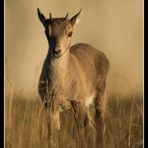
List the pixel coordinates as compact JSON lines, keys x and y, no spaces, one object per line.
{"x":89,"y":100}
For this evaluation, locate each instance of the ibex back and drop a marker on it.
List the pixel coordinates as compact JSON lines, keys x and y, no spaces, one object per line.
{"x":73,"y":78}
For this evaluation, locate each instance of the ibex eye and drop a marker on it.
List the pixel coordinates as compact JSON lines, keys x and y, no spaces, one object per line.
{"x":69,"y":34}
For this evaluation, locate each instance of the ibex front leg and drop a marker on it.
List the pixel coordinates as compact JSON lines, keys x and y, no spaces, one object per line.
{"x":53,"y":124}
{"x":53,"y":129}
{"x":79,"y":126}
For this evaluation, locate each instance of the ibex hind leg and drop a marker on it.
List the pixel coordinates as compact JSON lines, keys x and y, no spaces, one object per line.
{"x":90,"y":132}
{"x":100,"y":111}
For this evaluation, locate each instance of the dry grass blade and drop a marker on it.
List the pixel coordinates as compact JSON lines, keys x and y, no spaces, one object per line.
{"x":130,"y":124}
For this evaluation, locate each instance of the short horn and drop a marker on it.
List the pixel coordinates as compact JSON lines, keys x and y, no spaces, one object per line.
{"x":66,"y":16}
{"x":50,"y":16}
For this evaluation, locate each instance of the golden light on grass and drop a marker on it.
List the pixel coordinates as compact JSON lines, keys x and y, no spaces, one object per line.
{"x":28,"y":128}
{"x":113,"y":26}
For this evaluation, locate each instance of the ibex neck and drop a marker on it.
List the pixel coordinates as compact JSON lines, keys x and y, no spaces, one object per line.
{"x":59,"y":71}
{"x":60,"y":63}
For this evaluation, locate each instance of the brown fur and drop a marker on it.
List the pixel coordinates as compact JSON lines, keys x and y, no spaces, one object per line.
{"x":69,"y":81}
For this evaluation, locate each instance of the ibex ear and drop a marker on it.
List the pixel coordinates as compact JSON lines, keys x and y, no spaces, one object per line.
{"x":76,"y":19}
{"x":41,"y":17}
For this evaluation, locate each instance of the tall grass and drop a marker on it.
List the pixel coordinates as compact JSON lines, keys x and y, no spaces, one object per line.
{"x":25,"y":124}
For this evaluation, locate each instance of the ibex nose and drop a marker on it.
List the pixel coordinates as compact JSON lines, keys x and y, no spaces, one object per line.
{"x":57,"y":51}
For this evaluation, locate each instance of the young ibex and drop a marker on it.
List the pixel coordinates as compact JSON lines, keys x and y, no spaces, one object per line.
{"x":72,"y":77}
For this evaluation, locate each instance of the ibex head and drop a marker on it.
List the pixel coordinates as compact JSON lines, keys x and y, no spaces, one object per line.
{"x":59,"y":32}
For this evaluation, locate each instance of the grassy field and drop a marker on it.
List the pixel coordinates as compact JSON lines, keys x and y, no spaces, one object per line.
{"x":25,"y":124}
